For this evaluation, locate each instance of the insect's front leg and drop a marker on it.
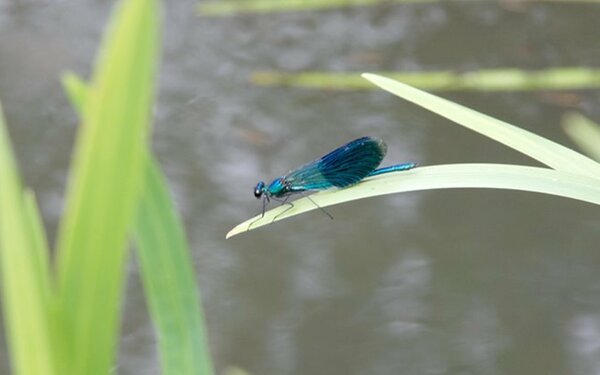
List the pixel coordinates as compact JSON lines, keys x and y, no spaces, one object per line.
{"x":265,"y":201}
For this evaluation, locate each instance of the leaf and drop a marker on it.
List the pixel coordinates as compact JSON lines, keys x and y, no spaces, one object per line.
{"x":478,"y":80}
{"x":104,"y":187}
{"x":229,"y":7}
{"x":234,"y":7}
{"x":167,"y":272}
{"x":584,"y":132}
{"x":544,"y":150}
{"x":494,"y":176}
{"x":26,"y":286}
{"x":169,"y":281}
{"x":76,"y":90}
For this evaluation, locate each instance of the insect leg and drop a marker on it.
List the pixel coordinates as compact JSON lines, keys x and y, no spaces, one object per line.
{"x":284,"y":201}
{"x":264,"y":206}
{"x":319,"y":207}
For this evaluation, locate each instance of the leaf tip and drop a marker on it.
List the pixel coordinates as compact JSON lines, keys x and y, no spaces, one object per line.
{"x":368,"y":76}
{"x":234,"y":232}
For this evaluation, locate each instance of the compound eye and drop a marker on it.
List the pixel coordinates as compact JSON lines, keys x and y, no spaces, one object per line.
{"x":259,"y":189}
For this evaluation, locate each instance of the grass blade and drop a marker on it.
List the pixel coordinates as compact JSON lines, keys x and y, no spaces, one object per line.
{"x":169,"y":282}
{"x":167,"y":272}
{"x":550,"y":153}
{"x":234,"y":7}
{"x":41,"y":255}
{"x":480,"y":80}
{"x":105,"y":185}
{"x":26,"y":284}
{"x":230,"y":8}
{"x":494,"y":176}
{"x":584,"y":132}
{"x":76,"y":90}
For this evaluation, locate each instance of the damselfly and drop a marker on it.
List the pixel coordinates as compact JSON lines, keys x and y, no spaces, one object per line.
{"x":342,"y":167}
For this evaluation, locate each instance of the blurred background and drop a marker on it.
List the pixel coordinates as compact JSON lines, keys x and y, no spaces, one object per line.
{"x":441,"y":282}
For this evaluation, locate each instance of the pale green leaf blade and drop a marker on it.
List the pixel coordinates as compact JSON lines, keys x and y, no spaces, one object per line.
{"x":544,"y":150}
{"x":104,"y":186}
{"x":169,"y":282}
{"x":452,"y":176}
{"x":584,"y":132}
{"x":26,"y":284}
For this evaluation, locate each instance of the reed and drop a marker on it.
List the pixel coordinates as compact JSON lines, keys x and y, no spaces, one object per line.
{"x":65,"y":320}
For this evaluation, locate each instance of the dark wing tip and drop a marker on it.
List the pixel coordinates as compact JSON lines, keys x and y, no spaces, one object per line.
{"x":374,"y":142}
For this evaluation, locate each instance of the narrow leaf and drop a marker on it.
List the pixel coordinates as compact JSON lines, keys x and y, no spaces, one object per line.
{"x":167,"y":272}
{"x":26,"y":284}
{"x":229,"y":7}
{"x":76,"y":90}
{"x":544,"y":150}
{"x":493,"y":176}
{"x":584,"y":132}
{"x":233,"y":7}
{"x":104,"y":187}
{"x":169,"y":281}
{"x":479,"y":80}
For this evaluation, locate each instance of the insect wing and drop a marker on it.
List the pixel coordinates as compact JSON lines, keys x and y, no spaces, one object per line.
{"x":342,"y":167}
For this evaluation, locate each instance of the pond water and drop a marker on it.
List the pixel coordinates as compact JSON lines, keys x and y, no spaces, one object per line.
{"x":441,"y":282}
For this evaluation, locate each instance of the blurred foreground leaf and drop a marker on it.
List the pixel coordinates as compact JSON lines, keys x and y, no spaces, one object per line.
{"x":104,"y":187}
{"x":169,"y":281}
{"x":114,"y":184}
{"x":167,"y":272}
{"x":26,"y":284}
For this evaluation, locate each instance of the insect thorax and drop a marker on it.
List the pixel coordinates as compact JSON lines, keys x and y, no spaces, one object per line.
{"x":278,"y":187}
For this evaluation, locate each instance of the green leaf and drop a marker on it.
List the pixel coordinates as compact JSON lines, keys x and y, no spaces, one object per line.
{"x":567,"y":78}
{"x":169,"y":281}
{"x":234,"y":7}
{"x":494,"y":176}
{"x":532,"y":145}
{"x":76,"y":90}
{"x":104,"y":187}
{"x":167,"y":273}
{"x":584,"y":132}
{"x":26,"y":284}
{"x":229,"y":7}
